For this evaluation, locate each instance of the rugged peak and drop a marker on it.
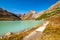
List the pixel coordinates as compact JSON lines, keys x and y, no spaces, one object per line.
{"x":32,"y":11}
{"x":30,"y":15}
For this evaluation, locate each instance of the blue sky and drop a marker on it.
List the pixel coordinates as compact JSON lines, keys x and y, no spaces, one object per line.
{"x":23,"y":6}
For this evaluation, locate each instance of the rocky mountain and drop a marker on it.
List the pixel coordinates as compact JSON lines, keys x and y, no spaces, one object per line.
{"x":5,"y":15}
{"x":29,"y":16}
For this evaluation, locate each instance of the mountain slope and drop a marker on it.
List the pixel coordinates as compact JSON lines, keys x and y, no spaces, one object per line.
{"x":49,"y":14}
{"x":29,"y":16}
{"x":5,"y":15}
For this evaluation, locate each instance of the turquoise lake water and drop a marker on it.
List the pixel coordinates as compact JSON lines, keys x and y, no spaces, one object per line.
{"x":16,"y":26}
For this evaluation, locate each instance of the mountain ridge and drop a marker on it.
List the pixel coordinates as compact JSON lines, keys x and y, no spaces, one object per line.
{"x":5,"y":15}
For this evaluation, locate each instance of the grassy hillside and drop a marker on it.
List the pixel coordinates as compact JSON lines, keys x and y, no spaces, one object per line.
{"x":49,"y":14}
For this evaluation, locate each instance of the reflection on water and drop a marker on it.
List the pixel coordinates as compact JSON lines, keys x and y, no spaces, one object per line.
{"x":16,"y":26}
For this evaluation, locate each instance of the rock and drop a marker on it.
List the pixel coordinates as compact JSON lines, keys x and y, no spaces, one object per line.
{"x":9,"y":33}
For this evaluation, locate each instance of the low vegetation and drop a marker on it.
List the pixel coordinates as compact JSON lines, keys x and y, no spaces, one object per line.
{"x":49,"y":14}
